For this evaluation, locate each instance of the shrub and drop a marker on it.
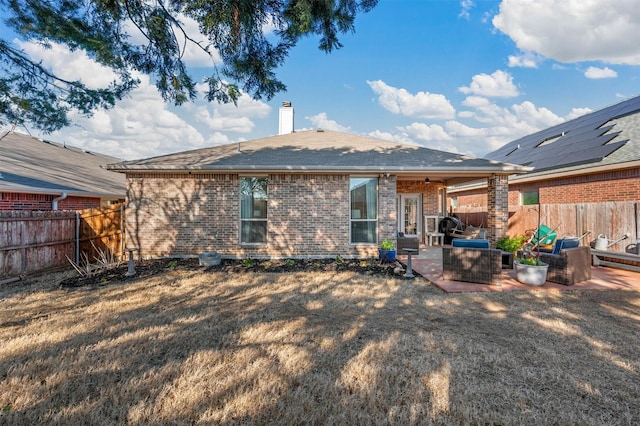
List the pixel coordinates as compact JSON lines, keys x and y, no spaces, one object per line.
{"x":509,"y":244}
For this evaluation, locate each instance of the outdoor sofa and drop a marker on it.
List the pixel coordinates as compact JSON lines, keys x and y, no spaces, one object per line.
{"x":568,"y":263}
{"x":471,"y":261}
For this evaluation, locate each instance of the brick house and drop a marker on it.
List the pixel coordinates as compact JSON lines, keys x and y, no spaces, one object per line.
{"x":43,"y":175}
{"x":591,"y":159}
{"x":313,"y":193}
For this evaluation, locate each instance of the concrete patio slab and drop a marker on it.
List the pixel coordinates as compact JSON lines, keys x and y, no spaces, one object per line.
{"x":429,"y":264}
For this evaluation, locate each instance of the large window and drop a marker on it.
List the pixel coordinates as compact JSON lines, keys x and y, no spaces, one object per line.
{"x":364,"y":210}
{"x":253,"y":210}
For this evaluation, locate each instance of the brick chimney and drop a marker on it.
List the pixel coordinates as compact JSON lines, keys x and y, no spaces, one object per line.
{"x":286,"y":119}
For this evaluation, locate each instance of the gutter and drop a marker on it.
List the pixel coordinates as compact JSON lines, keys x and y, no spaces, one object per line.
{"x":54,"y":202}
{"x":510,"y":169}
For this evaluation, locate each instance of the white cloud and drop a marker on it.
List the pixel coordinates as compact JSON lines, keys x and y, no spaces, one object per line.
{"x":422,"y":104}
{"x":195,"y":55}
{"x":487,"y":127}
{"x":574,"y":31}
{"x":142,"y":124}
{"x":138,"y":126}
{"x":321,"y":121}
{"x":525,"y":60}
{"x":499,"y":85}
{"x":69,"y":65}
{"x":229,"y":117}
{"x":597,"y":73}
{"x":577,"y":112}
{"x":392,"y":137}
{"x":425,"y":132}
{"x":466,"y":6}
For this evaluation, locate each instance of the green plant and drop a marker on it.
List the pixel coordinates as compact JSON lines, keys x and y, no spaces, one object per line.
{"x":172,"y":264}
{"x":339,"y":260}
{"x":530,"y":260}
{"x":511,"y":244}
{"x":290,"y":262}
{"x":248,"y":262}
{"x":387,"y":244}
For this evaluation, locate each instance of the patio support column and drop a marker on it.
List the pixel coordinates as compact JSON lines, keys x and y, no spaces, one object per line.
{"x":387,"y":200}
{"x":498,"y":208}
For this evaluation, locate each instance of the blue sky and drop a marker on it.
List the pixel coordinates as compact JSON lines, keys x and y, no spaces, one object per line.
{"x":460,"y":76}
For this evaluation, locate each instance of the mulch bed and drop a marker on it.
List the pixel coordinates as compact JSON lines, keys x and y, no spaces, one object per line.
{"x":149,"y":268}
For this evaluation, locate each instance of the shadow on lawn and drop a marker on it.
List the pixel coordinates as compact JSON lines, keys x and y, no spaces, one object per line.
{"x":327,"y":348}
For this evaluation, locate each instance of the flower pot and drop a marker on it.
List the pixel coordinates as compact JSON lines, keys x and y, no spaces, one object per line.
{"x":211,"y":258}
{"x":387,"y":256}
{"x":531,"y":274}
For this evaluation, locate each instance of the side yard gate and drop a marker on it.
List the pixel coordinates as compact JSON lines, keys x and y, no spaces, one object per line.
{"x":33,"y":241}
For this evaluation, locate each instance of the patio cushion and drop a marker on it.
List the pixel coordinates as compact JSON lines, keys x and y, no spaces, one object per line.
{"x":567,"y":243}
{"x":460,"y":242}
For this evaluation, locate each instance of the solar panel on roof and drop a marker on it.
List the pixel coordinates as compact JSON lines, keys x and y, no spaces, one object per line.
{"x":582,"y":140}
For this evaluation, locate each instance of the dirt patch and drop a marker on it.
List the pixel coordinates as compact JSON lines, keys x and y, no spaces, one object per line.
{"x":149,"y":268}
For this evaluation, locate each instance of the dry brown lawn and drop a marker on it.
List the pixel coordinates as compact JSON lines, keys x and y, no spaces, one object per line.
{"x":194,"y":347}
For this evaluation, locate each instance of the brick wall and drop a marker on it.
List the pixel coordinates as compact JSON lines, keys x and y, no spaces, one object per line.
{"x":430,"y":200}
{"x":171,"y":214}
{"x":620,"y":185}
{"x":43,"y":202}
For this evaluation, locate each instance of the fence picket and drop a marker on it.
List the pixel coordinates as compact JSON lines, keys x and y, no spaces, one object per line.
{"x":613,"y":219}
{"x":33,"y":241}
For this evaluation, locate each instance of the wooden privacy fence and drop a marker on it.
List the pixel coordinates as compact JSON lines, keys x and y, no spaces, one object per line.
{"x":38,"y":241}
{"x":611,"y":219}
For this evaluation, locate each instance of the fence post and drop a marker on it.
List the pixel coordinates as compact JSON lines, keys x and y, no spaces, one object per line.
{"x":77,"y":245}
{"x":122,"y":231}
{"x":23,"y":264}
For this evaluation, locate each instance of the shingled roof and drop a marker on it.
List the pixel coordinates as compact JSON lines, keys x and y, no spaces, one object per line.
{"x":324,"y":151}
{"x":32,"y":165}
{"x":610,"y":136}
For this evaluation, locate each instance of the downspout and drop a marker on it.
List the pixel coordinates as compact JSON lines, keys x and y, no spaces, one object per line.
{"x":54,"y":202}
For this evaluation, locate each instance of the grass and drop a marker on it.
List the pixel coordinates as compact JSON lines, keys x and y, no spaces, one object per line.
{"x":191,"y":347}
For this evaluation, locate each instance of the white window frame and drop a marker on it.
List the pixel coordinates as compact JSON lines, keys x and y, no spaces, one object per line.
{"x":351,"y":213}
{"x":251,"y":219}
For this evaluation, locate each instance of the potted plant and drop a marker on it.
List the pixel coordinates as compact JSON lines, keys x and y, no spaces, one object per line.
{"x":530,"y":270}
{"x":387,"y":251}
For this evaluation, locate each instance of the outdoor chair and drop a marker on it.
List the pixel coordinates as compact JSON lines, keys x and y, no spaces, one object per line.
{"x":472,"y":261}
{"x":568,"y":263}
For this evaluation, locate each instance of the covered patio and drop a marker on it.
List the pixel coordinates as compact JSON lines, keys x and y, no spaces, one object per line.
{"x":429,"y":264}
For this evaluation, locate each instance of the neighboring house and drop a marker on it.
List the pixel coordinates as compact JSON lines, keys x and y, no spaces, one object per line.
{"x":42,"y":175}
{"x":585,"y":181}
{"x":591,"y":159}
{"x":313,"y":193}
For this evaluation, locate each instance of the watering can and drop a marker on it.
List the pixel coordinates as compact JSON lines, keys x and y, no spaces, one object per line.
{"x":602,"y":242}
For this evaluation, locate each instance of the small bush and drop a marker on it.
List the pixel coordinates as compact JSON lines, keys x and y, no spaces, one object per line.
{"x":509,"y":244}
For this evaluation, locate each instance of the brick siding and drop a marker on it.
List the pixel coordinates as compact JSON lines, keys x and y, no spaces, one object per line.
{"x":173,"y":214}
{"x":620,"y":185}
{"x":43,"y":202}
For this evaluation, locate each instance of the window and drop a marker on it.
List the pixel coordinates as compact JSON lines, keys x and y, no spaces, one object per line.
{"x":530,"y":197}
{"x":253,"y":210}
{"x":364,"y":210}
